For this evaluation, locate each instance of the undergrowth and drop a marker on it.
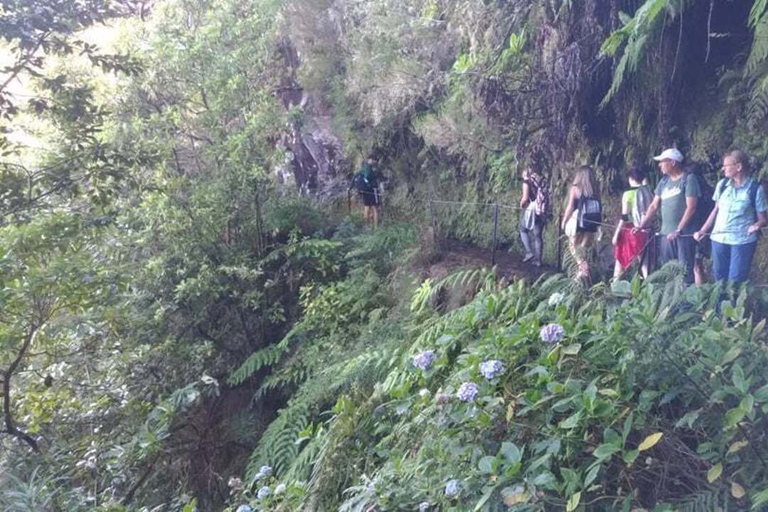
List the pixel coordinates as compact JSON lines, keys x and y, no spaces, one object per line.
{"x":651,"y":396}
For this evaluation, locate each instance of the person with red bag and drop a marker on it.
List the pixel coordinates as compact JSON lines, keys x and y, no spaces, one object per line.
{"x":632,"y":245}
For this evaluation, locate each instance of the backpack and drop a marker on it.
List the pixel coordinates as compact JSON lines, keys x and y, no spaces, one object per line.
{"x":363,"y":185}
{"x":643,"y":199}
{"x":590,"y":215}
{"x":704,"y":205}
{"x":541,"y":201}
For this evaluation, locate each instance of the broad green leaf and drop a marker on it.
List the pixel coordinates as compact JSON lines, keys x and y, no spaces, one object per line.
{"x":545,"y":479}
{"x":573,"y":502}
{"x":737,"y":491}
{"x":715,"y":472}
{"x":511,"y":452}
{"x":650,"y":441}
{"x":605,"y":451}
{"x":734,"y":416}
{"x":572,"y":421}
{"x":591,"y":475}
{"x":571,"y":350}
{"x":630,"y":456}
{"x":486,"y":464}
{"x":610,"y":436}
{"x":761,"y":395}
{"x":570,"y":476}
{"x":737,"y":376}
{"x":730,"y":356}
{"x":747,"y":403}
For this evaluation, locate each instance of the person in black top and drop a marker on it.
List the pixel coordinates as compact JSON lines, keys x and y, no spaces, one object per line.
{"x":366,"y":181}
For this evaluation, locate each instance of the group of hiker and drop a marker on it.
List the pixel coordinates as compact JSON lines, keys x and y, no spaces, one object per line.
{"x":731,"y":215}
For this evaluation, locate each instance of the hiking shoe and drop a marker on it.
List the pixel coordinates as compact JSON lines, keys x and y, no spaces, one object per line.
{"x":528,"y":257}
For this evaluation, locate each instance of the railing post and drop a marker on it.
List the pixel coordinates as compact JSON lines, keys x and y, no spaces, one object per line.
{"x":495,"y":232}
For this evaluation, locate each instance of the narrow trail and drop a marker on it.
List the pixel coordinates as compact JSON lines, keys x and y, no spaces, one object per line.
{"x":456,"y":255}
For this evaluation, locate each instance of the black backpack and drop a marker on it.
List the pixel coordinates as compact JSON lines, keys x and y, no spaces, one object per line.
{"x":705,"y":204}
{"x":590,"y":215}
{"x":363,"y":185}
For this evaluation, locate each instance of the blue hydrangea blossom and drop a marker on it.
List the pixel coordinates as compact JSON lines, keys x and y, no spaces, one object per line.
{"x":552,"y":333}
{"x":467,"y":392}
{"x":263,"y":492}
{"x":424,"y":360}
{"x":492,"y":368}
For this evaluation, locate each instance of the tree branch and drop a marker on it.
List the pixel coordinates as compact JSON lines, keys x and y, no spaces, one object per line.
{"x":10,"y":428}
{"x":135,"y":487}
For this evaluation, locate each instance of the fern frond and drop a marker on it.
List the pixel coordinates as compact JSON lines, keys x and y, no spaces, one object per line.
{"x":759,"y":51}
{"x":277,"y":446}
{"x":757,"y":108}
{"x":756,"y":12}
{"x":288,"y":378}
{"x":635,"y":34}
{"x":268,"y":356}
{"x":477,"y":278}
{"x":703,"y":501}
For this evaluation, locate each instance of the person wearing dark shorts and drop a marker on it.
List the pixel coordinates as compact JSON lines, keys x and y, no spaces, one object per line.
{"x":366,"y":181}
{"x":676,"y":197}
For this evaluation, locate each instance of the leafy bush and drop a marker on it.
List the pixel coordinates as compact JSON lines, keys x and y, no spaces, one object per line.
{"x":638,"y":396}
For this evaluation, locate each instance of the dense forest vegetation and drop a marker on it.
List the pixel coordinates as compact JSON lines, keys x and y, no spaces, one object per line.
{"x":192,"y":319}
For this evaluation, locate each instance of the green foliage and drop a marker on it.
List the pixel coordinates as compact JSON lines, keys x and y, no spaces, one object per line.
{"x":633,"y":36}
{"x":635,"y":376}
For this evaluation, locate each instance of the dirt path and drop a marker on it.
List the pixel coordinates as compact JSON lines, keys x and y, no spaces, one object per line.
{"x":457,"y":255}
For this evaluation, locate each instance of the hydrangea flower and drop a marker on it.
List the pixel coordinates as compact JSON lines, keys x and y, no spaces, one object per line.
{"x":492,"y":368}
{"x":423,"y":506}
{"x":265,"y":470}
{"x":452,"y":488}
{"x":552,"y":333}
{"x":235,"y":483}
{"x":424,"y":393}
{"x":555,"y":299}
{"x":244,"y":508}
{"x":467,"y":392}
{"x":280,"y":489}
{"x":263,"y":492}
{"x":424,"y":360}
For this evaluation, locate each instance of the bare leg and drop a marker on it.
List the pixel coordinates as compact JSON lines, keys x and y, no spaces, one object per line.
{"x":698,"y":272}
{"x":375,"y":212}
{"x":617,"y":270}
{"x":366,"y":213}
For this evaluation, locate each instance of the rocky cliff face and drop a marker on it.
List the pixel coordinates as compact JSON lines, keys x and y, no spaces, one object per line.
{"x":315,"y":161}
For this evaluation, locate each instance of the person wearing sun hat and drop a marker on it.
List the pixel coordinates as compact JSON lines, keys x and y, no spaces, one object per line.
{"x":676,"y":197}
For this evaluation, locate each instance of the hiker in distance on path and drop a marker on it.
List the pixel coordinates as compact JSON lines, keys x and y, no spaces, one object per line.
{"x":628,"y":245}
{"x":676,"y":196}
{"x":535,"y":205}
{"x":738,"y":215}
{"x":367,"y":181}
{"x":582,"y":218}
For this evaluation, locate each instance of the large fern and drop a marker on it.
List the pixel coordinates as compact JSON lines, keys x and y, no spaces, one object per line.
{"x":633,"y":37}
